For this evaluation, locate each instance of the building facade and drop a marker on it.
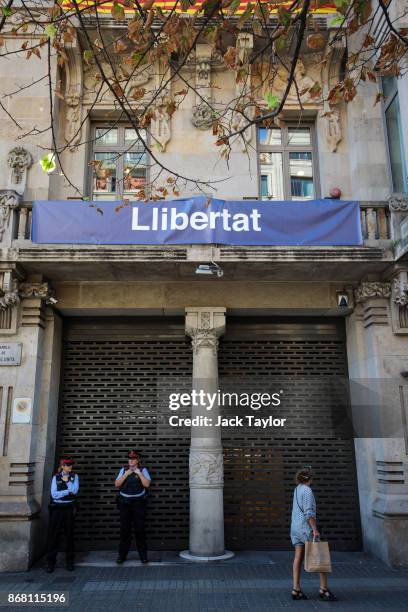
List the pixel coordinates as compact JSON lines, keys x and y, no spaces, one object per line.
{"x":102,"y":329}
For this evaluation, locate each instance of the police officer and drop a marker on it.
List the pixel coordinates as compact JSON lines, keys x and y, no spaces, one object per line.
{"x":64,"y":491}
{"x":132,"y":482}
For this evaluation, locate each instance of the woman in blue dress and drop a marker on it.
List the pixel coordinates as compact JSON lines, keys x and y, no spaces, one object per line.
{"x":304,"y":529}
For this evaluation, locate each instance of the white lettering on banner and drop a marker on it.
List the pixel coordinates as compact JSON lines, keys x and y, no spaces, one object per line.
{"x":178,"y":220}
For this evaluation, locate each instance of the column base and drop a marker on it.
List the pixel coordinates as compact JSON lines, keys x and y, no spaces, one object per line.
{"x":185,"y":554}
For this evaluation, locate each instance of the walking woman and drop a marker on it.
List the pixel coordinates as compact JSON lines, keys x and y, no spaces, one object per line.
{"x":64,"y":491}
{"x":303,"y":529}
{"x":132,"y":482}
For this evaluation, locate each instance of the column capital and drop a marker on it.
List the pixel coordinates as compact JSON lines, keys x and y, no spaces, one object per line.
{"x":202,"y":319}
{"x":372,"y":289}
{"x":31,"y":289}
{"x":205,"y":326}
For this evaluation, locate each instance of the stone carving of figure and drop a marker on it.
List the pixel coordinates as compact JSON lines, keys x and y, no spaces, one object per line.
{"x":73,"y":120}
{"x":303,"y":82}
{"x":161,"y":125}
{"x":332,"y":128}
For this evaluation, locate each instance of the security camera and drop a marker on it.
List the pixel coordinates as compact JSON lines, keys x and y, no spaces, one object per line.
{"x":51,"y":301}
{"x":211,"y":269}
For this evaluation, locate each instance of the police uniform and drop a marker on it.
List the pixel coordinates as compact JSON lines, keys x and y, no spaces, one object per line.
{"x":132,"y":508}
{"x":62,"y":516}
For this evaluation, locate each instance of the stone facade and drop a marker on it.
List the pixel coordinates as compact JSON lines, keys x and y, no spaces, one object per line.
{"x":42,"y":284}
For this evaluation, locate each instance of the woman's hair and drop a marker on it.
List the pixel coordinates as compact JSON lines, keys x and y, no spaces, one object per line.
{"x":303,"y":476}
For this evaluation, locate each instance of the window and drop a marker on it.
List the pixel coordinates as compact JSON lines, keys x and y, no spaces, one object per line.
{"x":286,"y":163}
{"x":394,"y":135}
{"x":120,"y":168}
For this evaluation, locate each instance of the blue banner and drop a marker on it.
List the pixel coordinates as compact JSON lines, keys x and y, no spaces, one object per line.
{"x":198,"y":221}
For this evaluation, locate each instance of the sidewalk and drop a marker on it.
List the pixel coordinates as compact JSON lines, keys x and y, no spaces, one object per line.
{"x":251,"y":581}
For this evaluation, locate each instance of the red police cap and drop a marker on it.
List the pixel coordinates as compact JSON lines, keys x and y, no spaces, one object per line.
{"x":66,"y":461}
{"x":132,"y":454}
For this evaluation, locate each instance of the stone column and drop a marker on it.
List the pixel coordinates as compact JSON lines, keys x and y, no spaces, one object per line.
{"x":204,"y":326}
{"x":377,"y":361}
{"x":25,"y":437}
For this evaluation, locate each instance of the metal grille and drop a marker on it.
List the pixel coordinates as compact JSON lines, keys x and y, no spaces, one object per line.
{"x":109,"y":396}
{"x":260,"y":466}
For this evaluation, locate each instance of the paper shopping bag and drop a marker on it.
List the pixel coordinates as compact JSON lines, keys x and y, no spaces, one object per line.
{"x":317,"y":557}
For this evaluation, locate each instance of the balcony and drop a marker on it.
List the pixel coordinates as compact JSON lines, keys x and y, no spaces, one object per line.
{"x":78,"y":261}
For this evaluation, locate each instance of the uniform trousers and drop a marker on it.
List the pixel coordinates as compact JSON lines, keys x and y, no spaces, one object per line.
{"x":62,"y":519}
{"x":132,"y":514}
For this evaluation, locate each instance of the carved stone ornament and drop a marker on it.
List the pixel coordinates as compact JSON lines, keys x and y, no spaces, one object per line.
{"x":400,"y":293}
{"x":35,"y":290}
{"x":204,"y":338}
{"x":373,"y":289}
{"x":332,"y":128}
{"x":245,"y":43}
{"x":72,"y":131}
{"x":19,"y":161}
{"x":205,"y":320}
{"x":202,"y":116}
{"x":9,"y":200}
{"x":10,"y":297}
{"x":398,"y":202}
{"x":8,"y":292}
{"x":161,"y":124}
{"x":206,"y":468}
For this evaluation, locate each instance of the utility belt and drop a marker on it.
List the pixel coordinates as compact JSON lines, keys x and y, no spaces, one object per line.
{"x":127,"y":501}
{"x":53,"y":505}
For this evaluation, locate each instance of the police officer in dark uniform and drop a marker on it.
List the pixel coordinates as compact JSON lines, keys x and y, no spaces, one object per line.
{"x":64,"y":491}
{"x":132,"y":482}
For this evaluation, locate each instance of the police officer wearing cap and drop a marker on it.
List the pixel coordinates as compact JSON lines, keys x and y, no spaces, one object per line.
{"x":64,"y":491}
{"x":132,"y":482}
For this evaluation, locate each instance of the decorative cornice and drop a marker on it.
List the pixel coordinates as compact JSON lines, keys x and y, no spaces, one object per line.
{"x":372,"y":289}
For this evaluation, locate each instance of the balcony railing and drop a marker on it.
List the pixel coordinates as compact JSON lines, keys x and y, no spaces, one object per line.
{"x":375,"y":222}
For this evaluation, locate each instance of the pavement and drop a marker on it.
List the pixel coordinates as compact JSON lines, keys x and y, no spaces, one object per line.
{"x":250,"y":581}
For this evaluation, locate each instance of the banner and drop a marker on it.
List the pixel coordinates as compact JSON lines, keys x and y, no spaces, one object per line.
{"x":198,"y":221}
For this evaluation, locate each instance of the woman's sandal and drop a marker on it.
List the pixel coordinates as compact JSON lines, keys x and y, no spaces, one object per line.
{"x":298,"y":594}
{"x":327,"y":595}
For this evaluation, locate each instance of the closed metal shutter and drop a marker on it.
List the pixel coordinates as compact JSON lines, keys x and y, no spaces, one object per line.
{"x":108,"y":405}
{"x":309,"y":361}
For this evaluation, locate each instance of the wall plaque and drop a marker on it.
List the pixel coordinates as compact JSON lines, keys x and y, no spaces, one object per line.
{"x":10,"y":353}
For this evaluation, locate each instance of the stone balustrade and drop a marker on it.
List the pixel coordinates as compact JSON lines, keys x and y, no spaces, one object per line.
{"x":23,"y":223}
{"x":375,"y":220}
